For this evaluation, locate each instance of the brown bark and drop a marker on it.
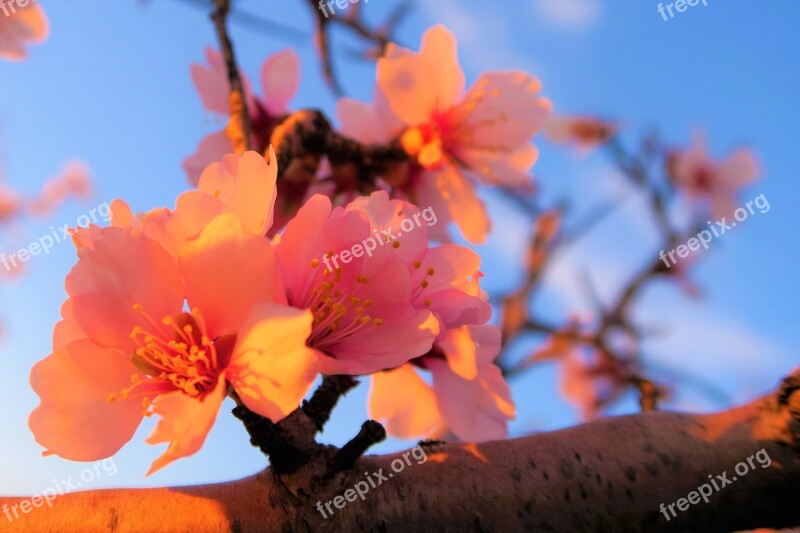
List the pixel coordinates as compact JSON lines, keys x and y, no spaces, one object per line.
{"x":610,"y":475}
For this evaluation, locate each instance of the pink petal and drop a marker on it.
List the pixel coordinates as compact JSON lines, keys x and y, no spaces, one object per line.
{"x":504,"y":109}
{"x":212,"y":82}
{"x":212,"y":148}
{"x":469,"y":348}
{"x":185,"y":423}
{"x":75,"y":419}
{"x":67,"y":330}
{"x":499,"y":168}
{"x":368,"y":123}
{"x":26,"y":25}
{"x":475,"y":410}
{"x":466,"y":209}
{"x":225,"y":297}
{"x":403,"y":403}
{"x":405,"y":333}
{"x":739,"y":169}
{"x":272,"y":368}
{"x":418,"y":85}
{"x":124,"y":268}
{"x":194,"y":210}
{"x":280,"y":79}
{"x":247,"y":185}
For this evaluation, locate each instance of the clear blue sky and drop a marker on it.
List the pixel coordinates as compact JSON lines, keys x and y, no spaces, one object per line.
{"x":111,"y":87}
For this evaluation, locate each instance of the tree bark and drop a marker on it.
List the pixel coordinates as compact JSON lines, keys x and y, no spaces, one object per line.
{"x":609,"y":475}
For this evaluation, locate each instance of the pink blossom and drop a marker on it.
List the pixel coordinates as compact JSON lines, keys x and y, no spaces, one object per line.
{"x":715,"y":183}
{"x":280,"y":78}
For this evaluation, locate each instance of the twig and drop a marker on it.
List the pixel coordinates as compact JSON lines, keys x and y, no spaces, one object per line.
{"x":220,"y":16}
{"x":371,"y":433}
{"x":324,"y":399}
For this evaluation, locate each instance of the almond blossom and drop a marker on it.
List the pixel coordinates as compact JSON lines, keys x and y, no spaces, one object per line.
{"x":715,"y":183}
{"x":73,"y":181}
{"x":280,"y":77}
{"x":156,"y":324}
{"x":19,"y":27}
{"x":469,"y":395}
{"x":364,"y":318}
{"x":586,"y":133}
{"x":456,"y":138}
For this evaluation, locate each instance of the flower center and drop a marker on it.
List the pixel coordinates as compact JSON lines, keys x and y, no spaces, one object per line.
{"x":338,"y":310}
{"x":185,"y":358}
{"x":703,"y":179}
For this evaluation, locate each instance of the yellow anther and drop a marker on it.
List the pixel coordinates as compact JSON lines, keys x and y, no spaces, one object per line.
{"x":137,"y":307}
{"x":431,"y":271}
{"x":378,"y":322}
{"x":396,"y":244}
{"x":314,"y":263}
{"x":354,"y":300}
{"x":417,"y":264}
{"x":427,"y":301}
{"x":367,"y":302}
{"x":134,"y":378}
{"x":362,"y":279}
{"x":424,"y":284}
{"x":112,"y":398}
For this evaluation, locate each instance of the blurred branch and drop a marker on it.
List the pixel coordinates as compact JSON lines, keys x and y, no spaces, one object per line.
{"x":353,"y":21}
{"x":241,"y":133}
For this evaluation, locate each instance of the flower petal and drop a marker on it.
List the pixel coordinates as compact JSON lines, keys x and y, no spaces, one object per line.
{"x":469,"y":348}
{"x":212,"y":82}
{"x":247,"y":185}
{"x":403,"y":403}
{"x":185,"y":423}
{"x":212,"y":148}
{"x":475,"y":410}
{"x":417,"y":85}
{"x":272,"y":369}
{"x":124,"y":268}
{"x":224,"y":295}
{"x":75,"y":419}
{"x":280,"y":79}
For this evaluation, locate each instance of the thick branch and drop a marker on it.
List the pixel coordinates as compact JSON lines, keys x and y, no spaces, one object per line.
{"x":610,"y":475}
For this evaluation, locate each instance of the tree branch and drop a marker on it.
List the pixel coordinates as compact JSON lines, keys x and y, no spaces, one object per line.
{"x":584,"y":478}
{"x":240,"y":116}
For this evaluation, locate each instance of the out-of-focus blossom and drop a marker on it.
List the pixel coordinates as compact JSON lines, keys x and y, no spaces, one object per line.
{"x":74,"y":181}
{"x":158,"y":323}
{"x":590,"y":381}
{"x":280,"y":78}
{"x":19,"y":27}
{"x":469,"y":395}
{"x":715,"y":183}
{"x":586,"y":133}
{"x":456,"y":138}
{"x":10,"y":204}
{"x":364,"y":317}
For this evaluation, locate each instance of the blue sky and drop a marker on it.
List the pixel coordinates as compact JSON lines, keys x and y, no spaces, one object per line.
{"x":111,"y":87}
